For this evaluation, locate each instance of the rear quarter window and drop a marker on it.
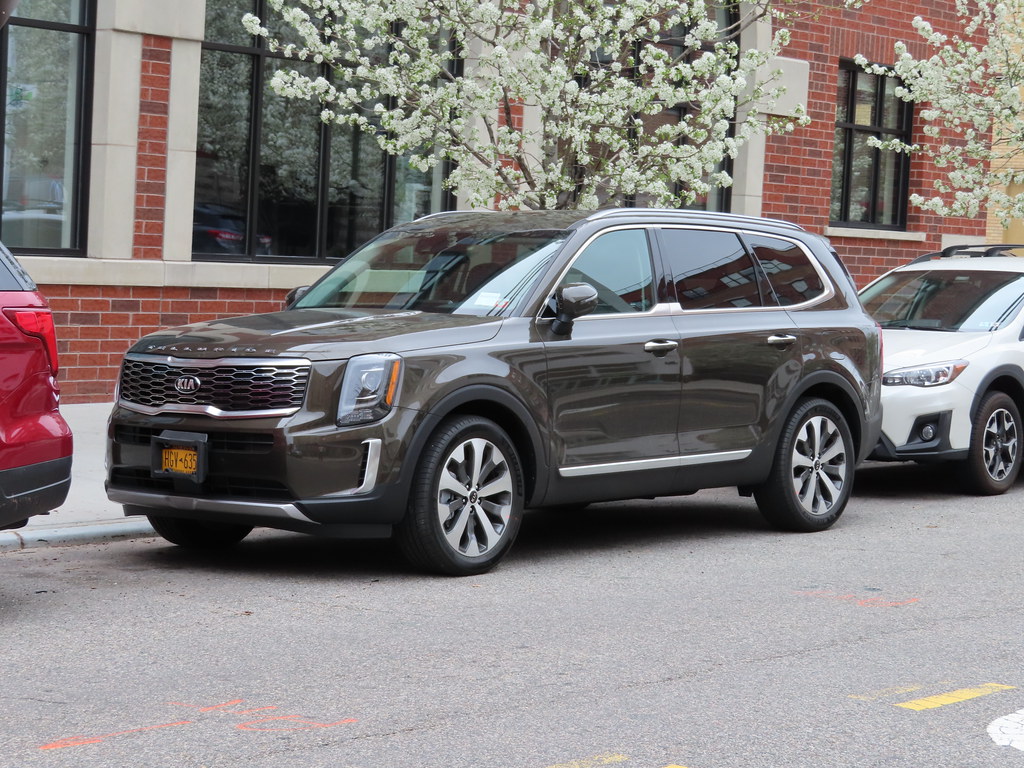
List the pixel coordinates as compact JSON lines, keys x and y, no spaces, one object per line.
{"x":791,"y":273}
{"x":12,"y":276}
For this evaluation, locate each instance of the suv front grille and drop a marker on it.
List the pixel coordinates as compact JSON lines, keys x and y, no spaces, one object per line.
{"x":217,"y":387}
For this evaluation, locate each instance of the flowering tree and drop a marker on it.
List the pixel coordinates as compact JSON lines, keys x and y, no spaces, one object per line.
{"x":970,"y":87}
{"x":541,"y":103}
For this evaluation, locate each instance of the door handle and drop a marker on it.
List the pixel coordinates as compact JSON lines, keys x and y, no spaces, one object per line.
{"x":781,"y":340}
{"x":660,"y":347}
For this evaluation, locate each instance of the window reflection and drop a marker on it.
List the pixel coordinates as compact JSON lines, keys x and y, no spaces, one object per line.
{"x":618,"y":265}
{"x":272,"y":180}
{"x":65,"y":11}
{"x":288,"y":170}
{"x":222,"y":155}
{"x":40,"y":178}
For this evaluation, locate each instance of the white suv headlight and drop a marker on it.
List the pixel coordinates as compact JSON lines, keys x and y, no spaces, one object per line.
{"x":369,"y":389}
{"x":925,"y":375}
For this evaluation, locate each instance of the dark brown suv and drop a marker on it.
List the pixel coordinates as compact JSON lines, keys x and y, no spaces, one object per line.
{"x":467,"y":365}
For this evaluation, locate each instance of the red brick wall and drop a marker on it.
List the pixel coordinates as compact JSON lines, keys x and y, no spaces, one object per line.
{"x":97,"y":324}
{"x":151,"y":161}
{"x":798,"y":166}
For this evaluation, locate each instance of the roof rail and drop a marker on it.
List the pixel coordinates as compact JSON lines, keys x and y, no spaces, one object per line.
{"x":436,"y":214}
{"x":692,"y":213}
{"x":979,"y":250}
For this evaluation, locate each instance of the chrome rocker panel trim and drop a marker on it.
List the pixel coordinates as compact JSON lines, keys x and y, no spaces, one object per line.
{"x":663,"y":463}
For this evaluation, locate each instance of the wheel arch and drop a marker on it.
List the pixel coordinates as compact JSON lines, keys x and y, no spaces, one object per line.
{"x":842,"y":394}
{"x":505,"y":410}
{"x":1003,"y":378}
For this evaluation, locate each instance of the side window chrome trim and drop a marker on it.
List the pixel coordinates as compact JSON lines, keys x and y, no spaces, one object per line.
{"x":743,"y":234}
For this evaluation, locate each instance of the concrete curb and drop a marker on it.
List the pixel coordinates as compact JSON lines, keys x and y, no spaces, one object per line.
{"x":30,"y":538}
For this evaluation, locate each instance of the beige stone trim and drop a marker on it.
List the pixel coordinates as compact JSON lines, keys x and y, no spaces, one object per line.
{"x":184,"y":19}
{"x":55,"y":270}
{"x":115,"y":132}
{"x":875,"y":234}
{"x":183,"y":121}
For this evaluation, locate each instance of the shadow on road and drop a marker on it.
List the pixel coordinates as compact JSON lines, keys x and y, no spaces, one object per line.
{"x":545,"y":534}
{"x":899,"y":480}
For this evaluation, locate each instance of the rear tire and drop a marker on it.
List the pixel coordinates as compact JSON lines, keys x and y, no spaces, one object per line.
{"x":994,"y":457}
{"x":198,"y":534}
{"x":812,"y":475}
{"x":466,"y":504}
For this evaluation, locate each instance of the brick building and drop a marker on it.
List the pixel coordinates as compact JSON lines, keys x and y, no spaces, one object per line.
{"x":151,"y":179}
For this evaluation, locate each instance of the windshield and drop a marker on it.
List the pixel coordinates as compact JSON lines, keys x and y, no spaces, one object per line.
{"x":451,"y":270}
{"x":945,"y":300}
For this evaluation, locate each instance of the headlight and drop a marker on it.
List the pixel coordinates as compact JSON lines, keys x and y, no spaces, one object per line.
{"x":369,"y":389}
{"x":925,"y":375}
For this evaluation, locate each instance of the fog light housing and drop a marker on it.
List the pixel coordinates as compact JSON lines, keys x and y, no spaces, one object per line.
{"x":928,"y":432}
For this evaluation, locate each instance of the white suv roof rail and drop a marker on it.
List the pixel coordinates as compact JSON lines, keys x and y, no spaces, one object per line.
{"x":694,"y":214}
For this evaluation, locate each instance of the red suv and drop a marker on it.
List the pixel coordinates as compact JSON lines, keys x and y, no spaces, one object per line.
{"x":35,"y":441}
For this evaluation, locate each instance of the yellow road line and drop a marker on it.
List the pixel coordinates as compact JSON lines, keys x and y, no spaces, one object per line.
{"x":931,"y":702}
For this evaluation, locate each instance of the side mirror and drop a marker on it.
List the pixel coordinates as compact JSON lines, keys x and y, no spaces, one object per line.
{"x":572,"y":301}
{"x":294,"y":295}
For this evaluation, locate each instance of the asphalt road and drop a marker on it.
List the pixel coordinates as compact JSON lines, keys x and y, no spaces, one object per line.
{"x":675,"y":632}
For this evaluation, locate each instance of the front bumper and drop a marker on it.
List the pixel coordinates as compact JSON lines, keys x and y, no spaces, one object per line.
{"x":290,"y":473}
{"x":917,"y":448}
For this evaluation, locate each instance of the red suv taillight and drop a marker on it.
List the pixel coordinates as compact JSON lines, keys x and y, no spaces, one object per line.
{"x":37,"y":323}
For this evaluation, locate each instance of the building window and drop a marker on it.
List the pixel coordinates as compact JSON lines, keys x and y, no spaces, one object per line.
{"x":46,"y":48}
{"x":869,"y":186}
{"x":273,"y":182}
{"x":727,"y":15}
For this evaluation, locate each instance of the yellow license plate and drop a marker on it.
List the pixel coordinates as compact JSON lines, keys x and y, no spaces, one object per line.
{"x":182,"y":461}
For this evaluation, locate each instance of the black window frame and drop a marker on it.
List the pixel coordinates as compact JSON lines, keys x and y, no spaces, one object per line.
{"x":850,"y":129}
{"x":260,"y":54}
{"x":85,"y":27}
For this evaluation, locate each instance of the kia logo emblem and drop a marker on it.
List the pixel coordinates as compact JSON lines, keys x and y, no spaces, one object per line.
{"x":186,"y":385}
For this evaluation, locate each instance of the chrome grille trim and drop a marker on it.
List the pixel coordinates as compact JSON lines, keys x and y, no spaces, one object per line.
{"x":230,"y":388}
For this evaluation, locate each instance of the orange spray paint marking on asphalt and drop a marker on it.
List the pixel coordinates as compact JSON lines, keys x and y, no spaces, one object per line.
{"x":207,"y":709}
{"x":266,"y":724}
{"x":80,"y":741}
{"x":867,"y":602}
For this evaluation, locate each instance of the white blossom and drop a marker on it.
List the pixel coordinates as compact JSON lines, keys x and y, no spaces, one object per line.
{"x":969,"y":88}
{"x":592,"y":76}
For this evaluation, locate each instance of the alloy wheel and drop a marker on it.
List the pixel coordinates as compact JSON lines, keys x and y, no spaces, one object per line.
{"x":475,"y":497}
{"x":820,"y":465}
{"x":1000,"y":444}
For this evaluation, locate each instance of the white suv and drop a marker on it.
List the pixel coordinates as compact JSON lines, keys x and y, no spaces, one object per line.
{"x":953,"y":382}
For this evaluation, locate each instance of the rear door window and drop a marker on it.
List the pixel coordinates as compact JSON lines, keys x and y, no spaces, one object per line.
{"x":711,"y":269}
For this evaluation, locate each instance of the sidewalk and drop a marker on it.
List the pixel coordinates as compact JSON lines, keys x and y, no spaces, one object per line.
{"x":87,"y":515}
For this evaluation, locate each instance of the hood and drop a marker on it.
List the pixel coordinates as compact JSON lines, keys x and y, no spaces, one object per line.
{"x":318,"y":334}
{"x":903,"y":348}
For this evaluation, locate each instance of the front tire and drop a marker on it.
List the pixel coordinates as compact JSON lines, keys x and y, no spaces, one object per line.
{"x":198,"y":534}
{"x":812,"y":474}
{"x":994,"y":457}
{"x":466,"y":504}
